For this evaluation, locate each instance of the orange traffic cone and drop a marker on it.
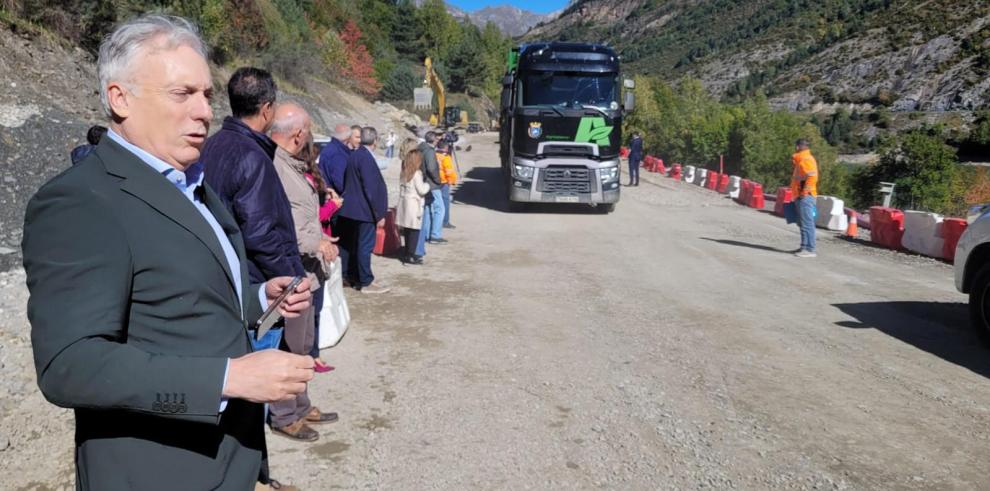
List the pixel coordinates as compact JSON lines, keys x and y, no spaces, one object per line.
{"x":853,"y":229}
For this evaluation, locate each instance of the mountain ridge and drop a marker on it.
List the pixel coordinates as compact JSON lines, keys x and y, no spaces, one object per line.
{"x":908,"y":55}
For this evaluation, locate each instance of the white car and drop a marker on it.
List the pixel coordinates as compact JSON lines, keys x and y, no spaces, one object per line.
{"x":972,"y":268}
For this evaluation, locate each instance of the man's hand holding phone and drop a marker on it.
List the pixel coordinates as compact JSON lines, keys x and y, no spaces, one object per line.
{"x":296,"y":302}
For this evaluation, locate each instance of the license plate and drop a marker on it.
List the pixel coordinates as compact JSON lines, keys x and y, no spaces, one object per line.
{"x":568,"y":199}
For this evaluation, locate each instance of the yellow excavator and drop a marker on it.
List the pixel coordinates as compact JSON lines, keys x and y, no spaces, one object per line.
{"x":433,"y":82}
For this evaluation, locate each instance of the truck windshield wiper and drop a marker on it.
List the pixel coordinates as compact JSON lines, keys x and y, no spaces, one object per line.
{"x":554,"y":108}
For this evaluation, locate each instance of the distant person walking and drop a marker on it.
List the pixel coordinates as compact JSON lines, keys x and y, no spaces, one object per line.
{"x":365,"y":206}
{"x":635,"y":157}
{"x":93,"y":137}
{"x":390,"y":145}
{"x":804,"y":188}
{"x":412,"y":200}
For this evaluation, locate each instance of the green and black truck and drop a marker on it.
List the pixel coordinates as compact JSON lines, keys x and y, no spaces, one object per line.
{"x":561,"y":124}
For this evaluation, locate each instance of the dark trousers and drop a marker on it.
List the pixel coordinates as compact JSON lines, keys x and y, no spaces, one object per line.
{"x":357,"y":242}
{"x":317,"y":306}
{"x":411,"y":237}
{"x":634,"y":171}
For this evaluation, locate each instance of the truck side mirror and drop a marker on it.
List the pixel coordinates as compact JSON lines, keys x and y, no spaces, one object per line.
{"x":630,"y":102}
{"x":507,"y":80}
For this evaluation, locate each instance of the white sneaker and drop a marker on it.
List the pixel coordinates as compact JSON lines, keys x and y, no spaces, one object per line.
{"x":806,"y":254}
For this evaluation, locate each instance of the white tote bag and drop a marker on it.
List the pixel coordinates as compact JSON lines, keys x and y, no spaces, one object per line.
{"x":334,"y":317}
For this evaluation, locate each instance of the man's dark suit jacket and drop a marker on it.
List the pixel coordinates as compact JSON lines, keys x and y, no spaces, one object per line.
{"x":365,"y":192}
{"x":133,"y":315}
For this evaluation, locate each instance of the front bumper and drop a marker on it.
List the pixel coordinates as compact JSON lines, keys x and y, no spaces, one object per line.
{"x":548,"y":185}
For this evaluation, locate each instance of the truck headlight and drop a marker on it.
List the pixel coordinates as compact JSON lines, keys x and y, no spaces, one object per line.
{"x":609,"y":174}
{"x":524,"y":171}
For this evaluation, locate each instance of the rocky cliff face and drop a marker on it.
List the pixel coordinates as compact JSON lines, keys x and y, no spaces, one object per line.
{"x":925,"y":55}
{"x":48,"y":101}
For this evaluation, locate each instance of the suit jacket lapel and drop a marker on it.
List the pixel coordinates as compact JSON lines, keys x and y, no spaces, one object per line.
{"x":233,"y":231}
{"x":142,"y":182}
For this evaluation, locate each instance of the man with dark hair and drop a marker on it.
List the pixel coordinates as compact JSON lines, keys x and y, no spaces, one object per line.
{"x":433,"y":212}
{"x":239,"y":168}
{"x":804,"y":189}
{"x":635,"y":157}
{"x":354,"y":142}
{"x":365,"y":205}
{"x":93,"y":137}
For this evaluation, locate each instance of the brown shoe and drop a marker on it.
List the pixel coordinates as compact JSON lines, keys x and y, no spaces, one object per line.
{"x":298,"y":431}
{"x":375,"y":288}
{"x":316,"y":416}
{"x":274,"y":485}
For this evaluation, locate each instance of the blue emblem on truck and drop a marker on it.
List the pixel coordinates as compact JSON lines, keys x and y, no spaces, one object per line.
{"x":535,"y":130}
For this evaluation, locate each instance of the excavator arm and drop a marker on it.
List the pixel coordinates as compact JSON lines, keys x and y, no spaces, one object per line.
{"x":433,"y":82}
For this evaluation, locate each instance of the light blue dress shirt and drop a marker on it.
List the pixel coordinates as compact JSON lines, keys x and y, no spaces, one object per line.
{"x":187,"y":182}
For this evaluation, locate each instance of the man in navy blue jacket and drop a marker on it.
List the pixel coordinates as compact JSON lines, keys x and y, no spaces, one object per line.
{"x":333,"y":158}
{"x":635,"y":157}
{"x":238,"y":166}
{"x":365,"y":205}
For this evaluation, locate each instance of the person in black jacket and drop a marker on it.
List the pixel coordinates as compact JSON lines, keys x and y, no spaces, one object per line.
{"x":635,"y":157}
{"x":364,"y":209}
{"x":93,"y":137}
{"x":238,"y":161}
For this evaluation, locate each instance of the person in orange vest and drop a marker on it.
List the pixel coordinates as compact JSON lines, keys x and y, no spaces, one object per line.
{"x":804,"y":188}
{"x":448,"y":179}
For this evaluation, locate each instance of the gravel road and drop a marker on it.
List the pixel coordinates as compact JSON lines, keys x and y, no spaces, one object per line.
{"x":672,"y":344}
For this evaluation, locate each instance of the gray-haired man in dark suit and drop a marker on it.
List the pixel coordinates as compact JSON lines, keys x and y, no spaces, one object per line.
{"x":140,"y":300}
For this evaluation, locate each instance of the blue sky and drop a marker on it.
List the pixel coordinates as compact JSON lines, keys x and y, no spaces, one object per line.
{"x":538,"y":6}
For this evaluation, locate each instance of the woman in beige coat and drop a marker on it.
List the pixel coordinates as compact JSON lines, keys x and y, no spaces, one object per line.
{"x":412,"y":199}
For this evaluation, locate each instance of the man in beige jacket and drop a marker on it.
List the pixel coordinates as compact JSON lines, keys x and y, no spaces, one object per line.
{"x":291,"y":131}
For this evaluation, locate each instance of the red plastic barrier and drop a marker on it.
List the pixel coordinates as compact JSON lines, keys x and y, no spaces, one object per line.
{"x":675,"y":172}
{"x":886,"y":227}
{"x":723,"y":183}
{"x":711,"y":182}
{"x":783,"y":197}
{"x":755,"y":196}
{"x":745,"y":187}
{"x":659,"y":167}
{"x":387,"y":240}
{"x":624,"y":152}
{"x":952,"y":230}
{"x":645,"y":163}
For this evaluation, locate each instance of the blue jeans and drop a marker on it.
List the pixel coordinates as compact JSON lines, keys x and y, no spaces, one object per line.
{"x":424,"y":229}
{"x":634,"y":170}
{"x":806,"y":222}
{"x":445,"y":192}
{"x":390,"y":151}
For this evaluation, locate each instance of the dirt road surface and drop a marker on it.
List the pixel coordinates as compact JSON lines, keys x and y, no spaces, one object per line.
{"x":673,"y":344}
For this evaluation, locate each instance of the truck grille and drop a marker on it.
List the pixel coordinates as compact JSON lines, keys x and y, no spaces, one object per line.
{"x":566,"y":180}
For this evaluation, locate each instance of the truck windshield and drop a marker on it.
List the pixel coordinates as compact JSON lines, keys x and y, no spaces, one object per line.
{"x":569,"y":89}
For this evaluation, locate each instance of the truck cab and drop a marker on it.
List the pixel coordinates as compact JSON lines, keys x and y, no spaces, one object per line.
{"x":561,"y":124}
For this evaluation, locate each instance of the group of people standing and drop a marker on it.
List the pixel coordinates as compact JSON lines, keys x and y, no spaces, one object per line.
{"x":428,"y":173}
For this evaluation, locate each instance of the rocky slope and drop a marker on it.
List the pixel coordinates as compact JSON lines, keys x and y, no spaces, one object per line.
{"x":926,"y":55}
{"x":49,"y":99}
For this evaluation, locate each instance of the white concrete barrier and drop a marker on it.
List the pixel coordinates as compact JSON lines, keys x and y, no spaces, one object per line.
{"x":733,"y":188}
{"x":699,"y":177}
{"x":923,"y":233}
{"x":689,"y":173}
{"x":831,"y":214}
{"x":334,"y":316}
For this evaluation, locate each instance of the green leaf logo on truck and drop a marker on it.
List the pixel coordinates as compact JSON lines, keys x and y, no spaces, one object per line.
{"x":593,"y":130}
